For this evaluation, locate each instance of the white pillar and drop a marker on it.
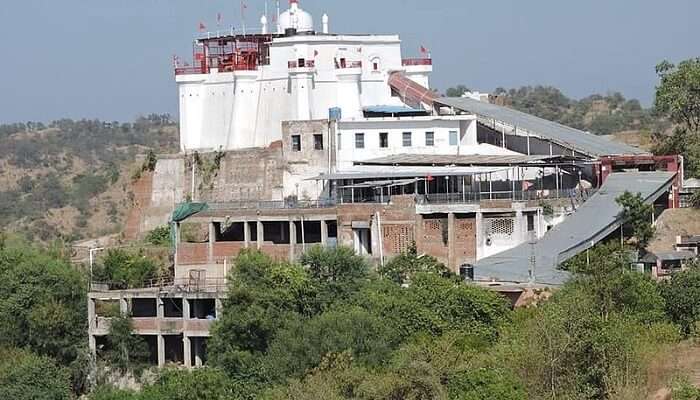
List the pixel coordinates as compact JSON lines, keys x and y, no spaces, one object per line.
{"x":187,"y":350}
{"x":161,"y":350}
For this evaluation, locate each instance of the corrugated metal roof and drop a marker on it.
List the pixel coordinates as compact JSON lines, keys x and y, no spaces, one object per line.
{"x":460,"y":160}
{"x":592,"y":222}
{"x":405,"y":172}
{"x":568,"y":137}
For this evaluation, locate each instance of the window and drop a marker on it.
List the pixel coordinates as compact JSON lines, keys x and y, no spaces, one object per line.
{"x":296,"y":142}
{"x":430,"y":138}
{"x":453,"y":138}
{"x":375,"y":66}
{"x":359,"y":140}
{"x":340,"y":137}
{"x":407,"y":139}
{"x":318,"y":142}
{"x":383,"y":139}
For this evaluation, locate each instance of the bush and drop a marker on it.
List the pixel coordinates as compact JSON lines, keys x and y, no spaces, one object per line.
{"x":27,"y":376}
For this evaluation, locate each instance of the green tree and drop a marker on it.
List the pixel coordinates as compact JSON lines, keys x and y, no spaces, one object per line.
{"x":637,"y":214}
{"x":199,"y":384}
{"x":678,"y":94}
{"x":401,"y":268}
{"x":682,"y":295}
{"x":125,"y":270}
{"x":338,"y":272}
{"x":303,"y":343}
{"x":42,"y":302}
{"x":262,"y":296}
{"x":159,"y":236}
{"x":27,"y":376}
{"x":127,"y":352}
{"x":457,"y":91}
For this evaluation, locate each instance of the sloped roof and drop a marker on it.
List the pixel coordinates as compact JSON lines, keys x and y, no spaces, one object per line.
{"x":593,"y":221}
{"x":568,"y":137}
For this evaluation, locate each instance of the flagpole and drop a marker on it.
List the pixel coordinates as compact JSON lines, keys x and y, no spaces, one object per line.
{"x":243,"y":16}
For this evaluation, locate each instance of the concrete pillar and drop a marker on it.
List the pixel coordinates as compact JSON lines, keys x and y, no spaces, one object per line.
{"x":246,"y":234}
{"x":212,"y":240}
{"x":92,"y":315}
{"x":479,"y":234}
{"x":519,"y":228}
{"x":324,"y":233}
{"x":292,"y":239}
{"x":260,"y":233}
{"x":219,"y":307}
{"x":160,"y":307}
{"x":124,"y":306}
{"x":185,"y":308}
{"x":198,"y":352}
{"x":187,"y":350}
{"x":161,"y":350}
{"x":451,"y":243}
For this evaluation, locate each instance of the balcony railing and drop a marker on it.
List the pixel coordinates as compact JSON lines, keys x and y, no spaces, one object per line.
{"x":301,"y":64}
{"x":348,"y":64}
{"x":411,"y":62}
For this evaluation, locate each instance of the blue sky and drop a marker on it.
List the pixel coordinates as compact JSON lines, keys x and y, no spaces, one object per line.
{"x":112,"y":59}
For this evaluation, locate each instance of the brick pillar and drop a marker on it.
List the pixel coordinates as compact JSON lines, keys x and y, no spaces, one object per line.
{"x":419,"y":233}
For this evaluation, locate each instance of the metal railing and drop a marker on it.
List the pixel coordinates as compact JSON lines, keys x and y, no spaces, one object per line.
{"x":302,"y":64}
{"x":412,"y":62}
{"x":274,"y":205}
{"x":348,"y":64}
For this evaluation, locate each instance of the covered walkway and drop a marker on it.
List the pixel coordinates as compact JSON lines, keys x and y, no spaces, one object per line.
{"x":595,"y":220}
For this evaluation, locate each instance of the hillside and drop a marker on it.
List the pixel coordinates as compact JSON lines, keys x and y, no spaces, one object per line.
{"x":611,"y":114}
{"x":70,"y":179}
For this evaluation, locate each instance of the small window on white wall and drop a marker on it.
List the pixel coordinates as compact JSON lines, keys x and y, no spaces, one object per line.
{"x":407,"y":139}
{"x":376,"y":64}
{"x":359,"y":140}
{"x":430,"y":139}
{"x":454,"y":138}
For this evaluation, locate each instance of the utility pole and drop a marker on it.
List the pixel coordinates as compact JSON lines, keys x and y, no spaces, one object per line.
{"x":533,"y":259}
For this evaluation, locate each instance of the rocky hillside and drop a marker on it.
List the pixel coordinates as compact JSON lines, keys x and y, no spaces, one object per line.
{"x":71,"y":179}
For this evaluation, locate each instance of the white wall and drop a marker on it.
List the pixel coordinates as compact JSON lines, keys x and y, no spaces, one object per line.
{"x":234,"y":110}
{"x":464,"y":126}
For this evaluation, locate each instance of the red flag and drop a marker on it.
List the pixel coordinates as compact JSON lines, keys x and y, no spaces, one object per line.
{"x":429,"y":178}
{"x":423,"y":50}
{"x":202,"y":27}
{"x":527,"y":185}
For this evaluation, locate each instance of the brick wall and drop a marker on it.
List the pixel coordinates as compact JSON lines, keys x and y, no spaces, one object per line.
{"x":192,"y":253}
{"x":227,"y":249}
{"x":465,"y":241}
{"x":433,"y":237}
